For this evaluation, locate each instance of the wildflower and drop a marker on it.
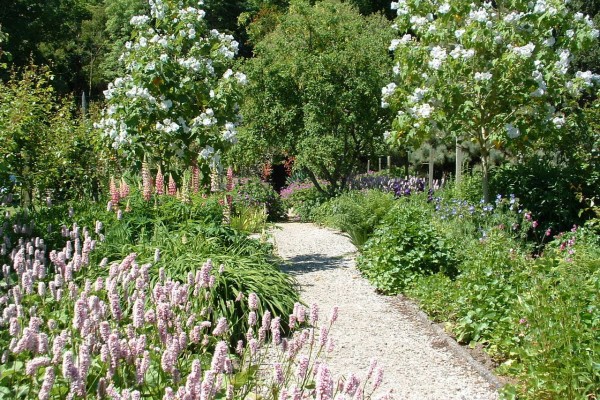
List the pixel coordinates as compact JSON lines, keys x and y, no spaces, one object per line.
{"x":278,"y":373}
{"x":172,"y":189}
{"x":324,"y":383}
{"x":314,"y":313}
{"x":253,"y":301}
{"x":302,"y":367}
{"x":160,"y":182}
{"x":47,"y":384}
{"x":221,"y":327}
{"x":34,"y":364}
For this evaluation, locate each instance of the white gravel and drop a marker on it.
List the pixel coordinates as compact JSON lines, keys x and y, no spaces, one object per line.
{"x":417,"y":364}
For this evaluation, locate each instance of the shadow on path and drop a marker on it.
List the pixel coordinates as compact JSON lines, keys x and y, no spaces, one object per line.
{"x":302,"y":264}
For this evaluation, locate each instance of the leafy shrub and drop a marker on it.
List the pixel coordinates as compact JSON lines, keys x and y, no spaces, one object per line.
{"x":550,"y":189}
{"x":248,"y":218}
{"x":303,"y":199}
{"x":256,"y":193}
{"x":405,"y":246}
{"x":356,"y":213}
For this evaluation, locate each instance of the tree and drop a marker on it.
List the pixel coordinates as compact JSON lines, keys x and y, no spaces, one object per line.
{"x":178,"y":97}
{"x":312,"y":89}
{"x":496,"y":73}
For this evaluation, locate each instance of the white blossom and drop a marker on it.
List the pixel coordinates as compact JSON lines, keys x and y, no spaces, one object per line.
{"x":139,"y":20}
{"x":444,"y":8}
{"x":524,"y":51}
{"x":459,"y":33}
{"x":558,"y":121}
{"x":438,"y":55}
{"x":483,"y":76}
{"x":512,"y":131}
{"x":207,"y":152}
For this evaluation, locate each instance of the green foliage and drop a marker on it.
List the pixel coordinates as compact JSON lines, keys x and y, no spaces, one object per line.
{"x":313,"y":90}
{"x":257,"y":193}
{"x":250,"y":219}
{"x":303,"y":200}
{"x":404,"y":246}
{"x":356,"y":213}
{"x":552,"y":189}
{"x":45,"y":147}
{"x":559,"y":322}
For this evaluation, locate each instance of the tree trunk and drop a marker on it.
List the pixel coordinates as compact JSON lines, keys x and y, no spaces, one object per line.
{"x":485,"y":167}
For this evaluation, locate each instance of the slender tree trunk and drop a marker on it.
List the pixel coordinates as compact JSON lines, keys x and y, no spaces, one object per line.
{"x":485,"y":167}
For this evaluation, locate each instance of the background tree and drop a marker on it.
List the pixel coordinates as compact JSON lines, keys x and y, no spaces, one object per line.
{"x":313,"y":91}
{"x":497,"y":73}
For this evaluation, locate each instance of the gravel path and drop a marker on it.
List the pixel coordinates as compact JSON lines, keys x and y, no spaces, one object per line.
{"x":418,"y":365}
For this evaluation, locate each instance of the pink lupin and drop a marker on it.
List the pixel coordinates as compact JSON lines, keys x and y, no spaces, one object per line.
{"x":172,"y":190}
{"x":115,"y":196}
{"x":146,"y":181}
{"x":195,"y":178}
{"x":160,"y":182}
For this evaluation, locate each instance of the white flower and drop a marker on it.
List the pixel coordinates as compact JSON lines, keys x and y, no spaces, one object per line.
{"x":394,"y":44}
{"x":594,"y":33}
{"x":417,"y":95}
{"x":483,"y":76}
{"x":513,"y":17}
{"x":438,"y":55}
{"x":166,"y":104}
{"x":587,"y":77}
{"x":480,"y":15}
{"x":524,"y":51}
{"x":444,"y":8}
{"x":228,"y":74}
{"x":207,"y":152}
{"x":559,"y":121}
{"x":417,"y":21}
{"x":459,"y":33}
{"x":164,"y":58}
{"x":400,"y":7}
{"x":139,"y":20}
{"x":387,"y":135}
{"x":562,"y":65}
{"x":512,"y":131}
{"x":578,"y":16}
{"x":241,"y":78}
{"x":570,"y":33}
{"x":396,"y":69}
{"x":540,"y":7}
{"x":422,"y":111}
{"x":388,"y":90}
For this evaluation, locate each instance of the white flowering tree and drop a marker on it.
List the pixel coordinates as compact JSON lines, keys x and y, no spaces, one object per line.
{"x":496,"y":73}
{"x":178,"y":98}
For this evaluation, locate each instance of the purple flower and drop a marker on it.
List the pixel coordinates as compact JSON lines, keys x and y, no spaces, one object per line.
{"x":324,"y":383}
{"x":221,"y":327}
{"x":34,"y":364}
{"x":278,"y":373}
{"x":314,"y":313}
{"x":302,"y":367}
{"x":253,"y":301}
{"x":47,"y":384}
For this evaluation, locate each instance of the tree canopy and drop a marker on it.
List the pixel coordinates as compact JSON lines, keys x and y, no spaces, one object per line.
{"x":312,"y":89}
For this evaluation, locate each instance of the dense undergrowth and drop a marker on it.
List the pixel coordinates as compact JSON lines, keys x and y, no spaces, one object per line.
{"x":492,"y":274}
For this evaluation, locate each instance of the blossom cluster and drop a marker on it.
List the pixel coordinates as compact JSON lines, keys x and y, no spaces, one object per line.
{"x":178,"y":97}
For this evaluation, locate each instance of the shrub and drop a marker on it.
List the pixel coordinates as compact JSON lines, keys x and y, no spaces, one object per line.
{"x":303,"y":199}
{"x":356,"y":213}
{"x":405,"y":246}
{"x":255,"y":193}
{"x":551,"y":189}
{"x":124,"y":337}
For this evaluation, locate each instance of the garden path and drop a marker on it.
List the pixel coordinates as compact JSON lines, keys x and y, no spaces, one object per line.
{"x":418,"y":363}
